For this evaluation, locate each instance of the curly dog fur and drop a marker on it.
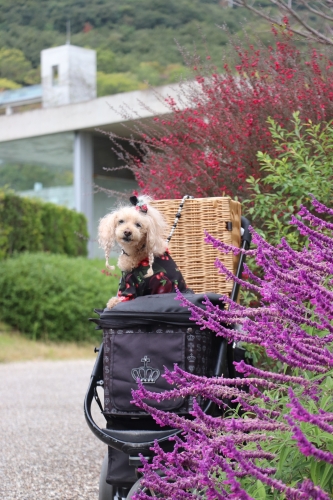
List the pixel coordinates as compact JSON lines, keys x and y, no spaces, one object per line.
{"x":139,"y":235}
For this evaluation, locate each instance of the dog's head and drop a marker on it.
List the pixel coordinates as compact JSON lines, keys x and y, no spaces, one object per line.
{"x":133,"y":229}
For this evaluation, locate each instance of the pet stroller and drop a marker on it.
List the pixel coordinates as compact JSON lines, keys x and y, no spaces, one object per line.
{"x":142,"y":336}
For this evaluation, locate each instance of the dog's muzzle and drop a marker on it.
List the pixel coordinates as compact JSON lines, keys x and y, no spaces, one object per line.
{"x":127,"y":236}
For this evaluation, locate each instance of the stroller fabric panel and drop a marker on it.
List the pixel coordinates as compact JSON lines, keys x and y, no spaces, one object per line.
{"x":143,"y":336}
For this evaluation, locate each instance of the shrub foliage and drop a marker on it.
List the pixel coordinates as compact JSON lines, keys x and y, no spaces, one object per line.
{"x":302,"y":165}
{"x":51,"y":297}
{"x":33,"y":226}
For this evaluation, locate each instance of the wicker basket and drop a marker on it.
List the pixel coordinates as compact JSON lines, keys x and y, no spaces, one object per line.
{"x":187,"y":247}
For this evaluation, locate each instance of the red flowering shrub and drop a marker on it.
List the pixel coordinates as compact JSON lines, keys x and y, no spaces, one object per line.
{"x":208,"y":142}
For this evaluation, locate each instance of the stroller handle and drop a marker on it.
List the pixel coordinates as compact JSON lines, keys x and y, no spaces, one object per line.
{"x":246,"y":236}
{"x":225,"y":356}
{"x":97,"y":374}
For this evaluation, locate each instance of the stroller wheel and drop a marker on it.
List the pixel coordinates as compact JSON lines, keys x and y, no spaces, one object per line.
{"x":138,"y":488}
{"x":105,"y":491}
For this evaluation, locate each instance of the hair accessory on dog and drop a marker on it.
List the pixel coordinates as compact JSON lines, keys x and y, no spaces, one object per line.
{"x":139,"y":204}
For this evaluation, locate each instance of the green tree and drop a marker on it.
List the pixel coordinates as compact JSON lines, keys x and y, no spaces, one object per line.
{"x":13,"y":65}
{"x":310,"y":20}
{"x":157,"y":74}
{"x":133,"y":35}
{"x":115,"y":83}
{"x":105,"y":60}
{"x":150,"y":72}
{"x":6,"y":84}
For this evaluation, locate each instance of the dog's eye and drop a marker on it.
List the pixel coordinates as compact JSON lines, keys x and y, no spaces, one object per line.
{"x":120,"y":221}
{"x":137,"y":224}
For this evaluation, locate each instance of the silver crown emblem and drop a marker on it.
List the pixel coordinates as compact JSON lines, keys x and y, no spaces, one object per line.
{"x":191,"y":358}
{"x":190,"y":337}
{"x":146,"y":374}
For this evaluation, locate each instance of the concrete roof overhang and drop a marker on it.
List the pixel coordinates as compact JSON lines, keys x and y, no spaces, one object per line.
{"x":101,"y":113}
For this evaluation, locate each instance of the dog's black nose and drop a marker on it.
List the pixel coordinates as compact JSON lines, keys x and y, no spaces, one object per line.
{"x":127,"y":233}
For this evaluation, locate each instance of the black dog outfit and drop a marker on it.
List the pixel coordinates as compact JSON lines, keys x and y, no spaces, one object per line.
{"x":166,"y":279}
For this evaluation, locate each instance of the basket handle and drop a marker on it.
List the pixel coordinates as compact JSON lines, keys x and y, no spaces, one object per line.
{"x":178,"y":215}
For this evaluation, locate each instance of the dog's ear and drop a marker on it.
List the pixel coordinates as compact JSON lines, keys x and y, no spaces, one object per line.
{"x":156,"y":232}
{"x":106,"y":235}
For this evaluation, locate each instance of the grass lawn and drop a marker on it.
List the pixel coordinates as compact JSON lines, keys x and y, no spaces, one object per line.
{"x":16,"y":347}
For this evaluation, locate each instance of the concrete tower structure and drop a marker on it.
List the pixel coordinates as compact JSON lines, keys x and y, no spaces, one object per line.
{"x":68,"y":75}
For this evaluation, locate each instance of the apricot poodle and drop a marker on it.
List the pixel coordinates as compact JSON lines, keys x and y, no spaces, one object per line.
{"x":147,"y":267}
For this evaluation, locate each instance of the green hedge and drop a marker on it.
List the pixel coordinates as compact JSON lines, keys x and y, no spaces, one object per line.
{"x":51,"y":297}
{"x":31,"y":225}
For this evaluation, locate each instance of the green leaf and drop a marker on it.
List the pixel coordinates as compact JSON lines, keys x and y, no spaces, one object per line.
{"x":285,"y":450}
{"x":261,"y":491}
{"x":326,"y":478}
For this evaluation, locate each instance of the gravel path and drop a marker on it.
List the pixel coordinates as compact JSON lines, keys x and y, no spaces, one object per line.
{"x":47,"y":450}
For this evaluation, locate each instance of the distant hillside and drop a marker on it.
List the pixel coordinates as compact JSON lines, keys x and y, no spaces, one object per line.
{"x":134,"y":39}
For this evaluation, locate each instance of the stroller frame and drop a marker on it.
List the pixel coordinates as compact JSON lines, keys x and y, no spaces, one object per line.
{"x":133,"y":439}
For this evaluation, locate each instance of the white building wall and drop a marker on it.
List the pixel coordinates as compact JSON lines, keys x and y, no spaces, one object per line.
{"x":68,"y":75}
{"x":83,"y":179}
{"x":82,"y":75}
